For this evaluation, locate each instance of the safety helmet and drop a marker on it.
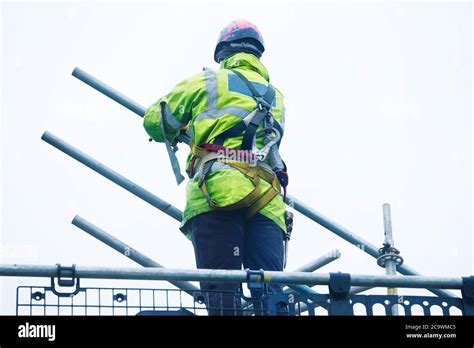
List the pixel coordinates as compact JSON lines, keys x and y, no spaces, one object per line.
{"x":239,"y":36}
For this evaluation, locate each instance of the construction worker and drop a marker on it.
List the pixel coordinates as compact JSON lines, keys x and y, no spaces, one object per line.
{"x":235,"y":213}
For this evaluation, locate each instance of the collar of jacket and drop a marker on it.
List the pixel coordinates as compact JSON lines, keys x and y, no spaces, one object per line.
{"x":245,"y":61}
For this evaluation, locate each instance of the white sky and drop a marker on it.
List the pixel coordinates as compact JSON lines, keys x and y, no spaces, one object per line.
{"x":378,"y":110}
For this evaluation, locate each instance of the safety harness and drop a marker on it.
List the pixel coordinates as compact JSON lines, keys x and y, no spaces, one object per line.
{"x":248,"y":159}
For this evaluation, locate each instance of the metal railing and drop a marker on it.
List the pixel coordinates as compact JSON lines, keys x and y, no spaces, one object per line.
{"x":338,"y":300}
{"x":236,"y":276}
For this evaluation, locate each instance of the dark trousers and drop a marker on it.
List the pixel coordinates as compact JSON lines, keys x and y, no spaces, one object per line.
{"x":226,"y":240}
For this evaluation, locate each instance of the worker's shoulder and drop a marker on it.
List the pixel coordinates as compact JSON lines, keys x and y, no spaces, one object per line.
{"x":200,"y":76}
{"x":206,"y":74}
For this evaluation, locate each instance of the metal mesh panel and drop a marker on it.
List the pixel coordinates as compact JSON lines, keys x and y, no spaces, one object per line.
{"x":374,"y":305}
{"x":133,"y":301}
{"x":140,"y":301}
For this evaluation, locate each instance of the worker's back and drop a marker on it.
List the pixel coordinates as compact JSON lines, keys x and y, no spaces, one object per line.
{"x":210,"y":103}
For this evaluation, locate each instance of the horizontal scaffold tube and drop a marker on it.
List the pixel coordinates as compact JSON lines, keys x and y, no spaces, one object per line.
{"x":210,"y":275}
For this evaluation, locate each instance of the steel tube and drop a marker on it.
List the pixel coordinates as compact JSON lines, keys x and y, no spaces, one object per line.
{"x":109,"y":91}
{"x":319,"y":262}
{"x":126,"y":250}
{"x":304,"y":290}
{"x":239,"y":276}
{"x":112,"y":175}
{"x":311,"y":267}
{"x":390,"y":265}
{"x":117,"y":96}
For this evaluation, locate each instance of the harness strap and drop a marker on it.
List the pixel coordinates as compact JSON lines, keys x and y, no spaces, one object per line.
{"x":255,"y":200}
{"x":271,"y":193}
{"x":204,"y":149}
{"x":249,"y":85}
{"x":278,"y":128}
{"x":264,"y":106}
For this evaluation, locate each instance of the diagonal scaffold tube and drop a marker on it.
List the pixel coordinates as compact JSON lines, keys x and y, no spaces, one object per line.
{"x":126,"y":250}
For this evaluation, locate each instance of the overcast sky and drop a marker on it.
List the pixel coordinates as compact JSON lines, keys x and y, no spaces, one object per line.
{"x":378,"y":110}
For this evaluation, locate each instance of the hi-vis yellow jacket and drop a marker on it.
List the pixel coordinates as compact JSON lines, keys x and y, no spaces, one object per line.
{"x":206,"y":105}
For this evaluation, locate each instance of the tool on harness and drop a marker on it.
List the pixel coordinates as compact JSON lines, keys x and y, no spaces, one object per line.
{"x":245,"y":158}
{"x":286,"y":238}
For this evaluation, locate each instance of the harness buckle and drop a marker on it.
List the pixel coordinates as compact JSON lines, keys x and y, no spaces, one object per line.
{"x":260,"y":156}
{"x":262,"y":104}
